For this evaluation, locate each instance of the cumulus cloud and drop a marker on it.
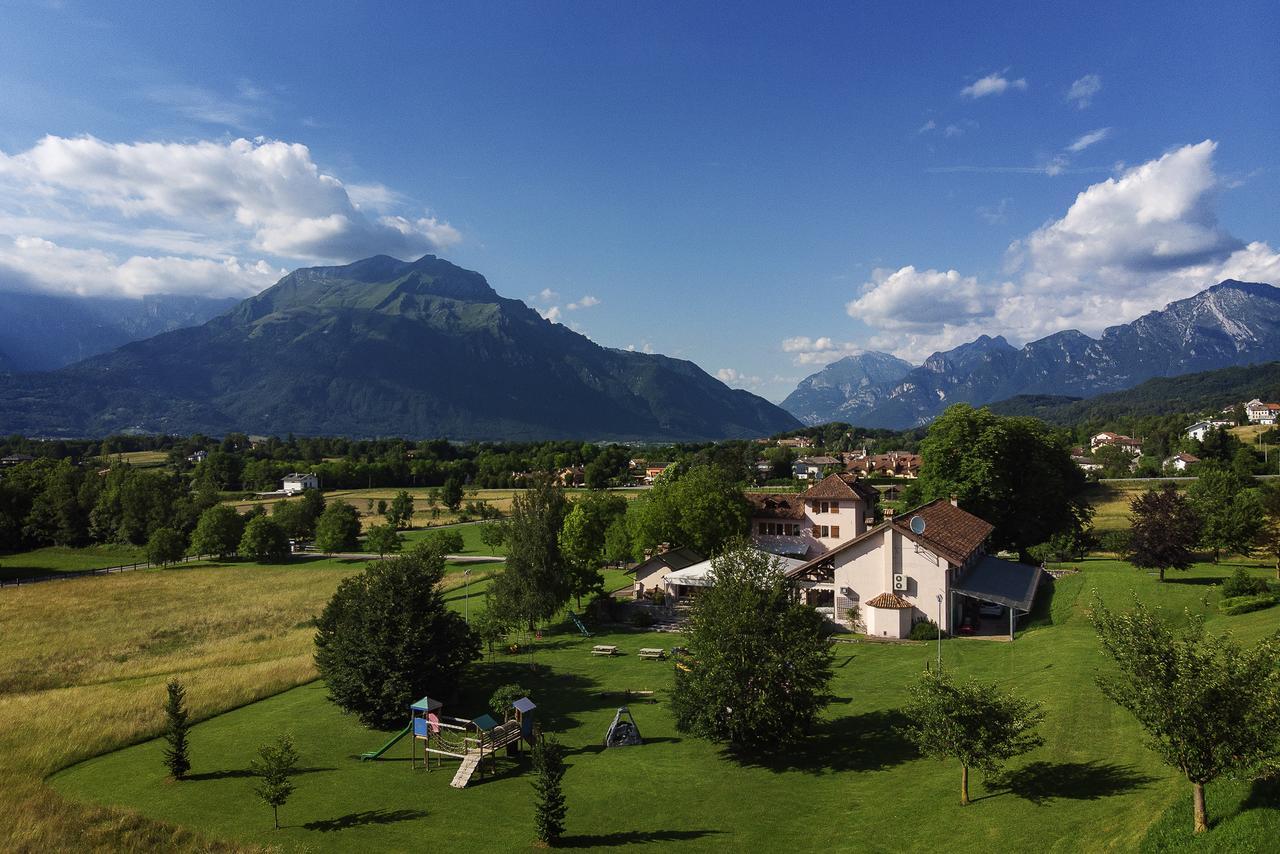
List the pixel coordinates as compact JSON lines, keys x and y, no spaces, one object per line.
{"x":819,"y":351}
{"x":220,"y":200}
{"x":1082,"y":91}
{"x":552,"y":314}
{"x":1127,"y":245}
{"x":993,"y":84}
{"x":733,"y":377}
{"x":586,"y":302}
{"x":1088,"y":139}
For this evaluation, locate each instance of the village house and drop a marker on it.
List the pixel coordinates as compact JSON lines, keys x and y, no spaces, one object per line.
{"x":927,"y":564}
{"x":1128,"y":444}
{"x":1201,"y":429}
{"x":1261,"y":413}
{"x":16,"y":459}
{"x":197,"y":457}
{"x":891,"y":464}
{"x":796,"y":442}
{"x":811,"y":468}
{"x":653,"y":470}
{"x":1179,"y":462}
{"x":296,"y":483}
{"x":653,"y":571}
{"x":832,"y":511}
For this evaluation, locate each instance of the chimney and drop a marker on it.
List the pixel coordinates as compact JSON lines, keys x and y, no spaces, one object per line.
{"x":955,"y":500}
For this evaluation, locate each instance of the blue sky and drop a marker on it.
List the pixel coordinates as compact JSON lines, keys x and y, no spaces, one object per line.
{"x":754,"y":189}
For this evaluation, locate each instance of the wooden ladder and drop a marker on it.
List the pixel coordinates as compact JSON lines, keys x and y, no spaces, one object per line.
{"x":470,"y":763}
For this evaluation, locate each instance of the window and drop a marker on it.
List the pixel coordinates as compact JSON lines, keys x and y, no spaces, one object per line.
{"x":835,"y":530}
{"x":835,"y":506}
{"x":820,"y":530}
{"x":763,"y":527}
{"x":793,"y":530}
{"x":825,"y":507}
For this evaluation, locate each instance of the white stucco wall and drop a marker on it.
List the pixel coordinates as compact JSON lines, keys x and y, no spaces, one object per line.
{"x":866,"y":570}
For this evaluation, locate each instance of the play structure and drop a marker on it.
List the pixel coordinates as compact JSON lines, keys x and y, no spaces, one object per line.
{"x":471,"y":741}
{"x":623,"y":732}
{"x":577,"y":622}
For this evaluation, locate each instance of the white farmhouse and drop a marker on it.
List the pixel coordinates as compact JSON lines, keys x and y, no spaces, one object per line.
{"x":1179,"y":462}
{"x":1201,"y":429}
{"x":295,"y":483}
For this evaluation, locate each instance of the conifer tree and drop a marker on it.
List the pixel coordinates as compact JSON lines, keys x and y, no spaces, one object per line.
{"x":176,"y":758}
{"x":550,"y":809}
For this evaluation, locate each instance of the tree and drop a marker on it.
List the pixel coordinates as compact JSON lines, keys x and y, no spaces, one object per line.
{"x":1230,"y":514}
{"x":400,"y":513}
{"x":762,"y":662}
{"x":1207,"y":704}
{"x":1164,"y":528}
{"x":387,"y":636}
{"x":447,"y":541}
{"x":1014,"y":472}
{"x":504,"y":698}
{"x":973,"y":722}
{"x":264,"y":541}
{"x":275,"y":766}
{"x":165,"y":546}
{"x":176,"y":727}
{"x":383,"y":539}
{"x":535,"y":582}
{"x":451,"y":494}
{"x":218,"y":532}
{"x":493,"y":534}
{"x":1116,"y":461}
{"x":702,"y":508}
{"x":582,"y":540}
{"x":489,"y":624}
{"x":338,"y":528}
{"x":548,"y":773}
{"x":617,"y":542}
{"x":1269,"y":532}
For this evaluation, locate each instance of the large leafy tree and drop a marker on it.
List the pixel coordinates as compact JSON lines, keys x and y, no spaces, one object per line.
{"x":1209,"y":706}
{"x":338,"y":528}
{"x":1164,"y":528}
{"x":387,"y":637}
{"x":701,"y":507}
{"x":165,"y":546}
{"x":1231,"y":514}
{"x":264,"y":541}
{"x":218,"y":532}
{"x":973,"y":722}
{"x":761,"y":662}
{"x":400,"y":513}
{"x":582,"y":540}
{"x":535,"y":583}
{"x":1014,"y":472}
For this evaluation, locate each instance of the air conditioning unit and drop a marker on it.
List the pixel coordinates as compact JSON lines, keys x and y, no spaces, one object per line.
{"x":899,"y":581}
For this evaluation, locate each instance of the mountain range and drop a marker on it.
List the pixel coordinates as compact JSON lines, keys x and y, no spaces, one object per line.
{"x":42,"y":332}
{"x":1230,"y":323}
{"x":384,"y":347}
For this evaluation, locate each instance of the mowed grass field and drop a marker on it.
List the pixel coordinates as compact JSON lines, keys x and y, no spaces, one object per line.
{"x":1110,"y":501}
{"x":62,"y":559}
{"x":100,"y":651}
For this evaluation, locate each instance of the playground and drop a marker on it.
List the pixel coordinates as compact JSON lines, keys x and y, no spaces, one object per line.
{"x":1092,"y":786}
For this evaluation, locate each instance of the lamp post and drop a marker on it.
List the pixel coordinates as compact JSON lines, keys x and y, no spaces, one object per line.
{"x":466,"y":594}
{"x":939,"y":633}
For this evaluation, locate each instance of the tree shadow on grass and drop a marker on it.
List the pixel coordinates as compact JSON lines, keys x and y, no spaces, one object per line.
{"x":1041,"y":782}
{"x":631,"y":837}
{"x":560,"y":696}
{"x":1194,"y":582}
{"x":365,"y":817}
{"x":1265,"y":793}
{"x":240,"y":773}
{"x":867,"y":742}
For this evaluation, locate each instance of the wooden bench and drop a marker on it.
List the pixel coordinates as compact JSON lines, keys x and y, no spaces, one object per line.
{"x":653,"y":654}
{"x":604,"y":649}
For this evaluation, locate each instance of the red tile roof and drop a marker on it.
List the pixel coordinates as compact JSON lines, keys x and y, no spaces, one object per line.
{"x":841,"y":486}
{"x":889,"y":600}
{"x":767,"y":505}
{"x":948,"y":531}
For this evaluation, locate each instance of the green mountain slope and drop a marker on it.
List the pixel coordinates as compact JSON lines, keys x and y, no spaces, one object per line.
{"x":385,"y":347}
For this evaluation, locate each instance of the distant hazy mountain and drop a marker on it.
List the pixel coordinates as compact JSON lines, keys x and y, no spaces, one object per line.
{"x":40,"y":332}
{"x":385,"y":347}
{"x":844,"y":386}
{"x":1231,"y":323}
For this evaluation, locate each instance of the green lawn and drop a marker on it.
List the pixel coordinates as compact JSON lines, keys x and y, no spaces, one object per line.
{"x":854,"y":785}
{"x":55,"y":559}
{"x":470,"y":537}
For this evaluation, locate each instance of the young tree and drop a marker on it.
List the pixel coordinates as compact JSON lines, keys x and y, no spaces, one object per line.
{"x":1014,"y":472}
{"x":165,"y":546}
{"x":275,"y":766}
{"x":617,"y":542}
{"x":973,"y":722}
{"x":387,"y":636}
{"x":264,"y":541}
{"x":535,"y":581}
{"x":383,"y":539}
{"x":493,"y":534}
{"x":549,"y":806}
{"x":338,"y":528}
{"x":582,"y":540}
{"x":176,"y":727}
{"x":447,"y":541}
{"x":1208,"y":705}
{"x":504,"y":698}
{"x":1164,"y":528}
{"x":1230,"y":514}
{"x":451,"y":494}
{"x":400,"y":513}
{"x":218,"y":532}
{"x":762,"y":662}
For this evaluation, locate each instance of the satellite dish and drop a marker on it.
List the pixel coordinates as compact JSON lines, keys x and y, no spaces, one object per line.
{"x":917,"y":525}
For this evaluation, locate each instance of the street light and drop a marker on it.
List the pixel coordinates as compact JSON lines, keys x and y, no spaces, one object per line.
{"x":939,"y":633}
{"x":466,"y":594}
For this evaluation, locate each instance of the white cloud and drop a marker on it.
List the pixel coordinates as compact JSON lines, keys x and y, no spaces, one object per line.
{"x":218,"y":201}
{"x":819,"y":351}
{"x":993,"y":84}
{"x":548,"y":295}
{"x":733,"y":377}
{"x":995,"y":213}
{"x":1082,"y":91}
{"x":952,"y":131}
{"x":927,"y":126}
{"x":202,"y":105}
{"x":642,"y":347}
{"x":586,"y":302}
{"x":1127,"y":245}
{"x":552,"y":314}
{"x":1088,"y":139}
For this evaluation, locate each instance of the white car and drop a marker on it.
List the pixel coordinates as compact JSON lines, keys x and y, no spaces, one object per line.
{"x":991,"y":609}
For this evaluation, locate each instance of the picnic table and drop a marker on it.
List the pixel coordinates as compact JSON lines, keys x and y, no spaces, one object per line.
{"x":653,"y":654}
{"x":604,"y":649}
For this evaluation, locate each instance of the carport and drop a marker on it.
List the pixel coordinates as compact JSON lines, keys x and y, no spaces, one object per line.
{"x":1004,"y":582}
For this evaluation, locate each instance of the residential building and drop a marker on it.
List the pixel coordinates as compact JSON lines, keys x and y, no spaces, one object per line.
{"x":1201,"y":429}
{"x":811,"y":468}
{"x":1261,"y":413}
{"x":892,"y":464}
{"x":16,"y":459}
{"x":1179,"y":462}
{"x":1127,"y":443}
{"x":928,"y":563}
{"x":295,"y":483}
{"x":811,"y":523}
{"x":796,"y":442}
{"x":650,"y":573}
{"x":653,"y":470}
{"x":198,"y":457}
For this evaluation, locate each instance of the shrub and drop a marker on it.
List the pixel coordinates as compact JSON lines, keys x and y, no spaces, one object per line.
{"x":1242,"y":584}
{"x":641,"y":618}
{"x":1117,"y":542}
{"x":1237,"y":605}
{"x":924,"y":630}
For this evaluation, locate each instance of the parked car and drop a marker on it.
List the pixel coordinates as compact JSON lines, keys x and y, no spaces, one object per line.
{"x":991,"y":609}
